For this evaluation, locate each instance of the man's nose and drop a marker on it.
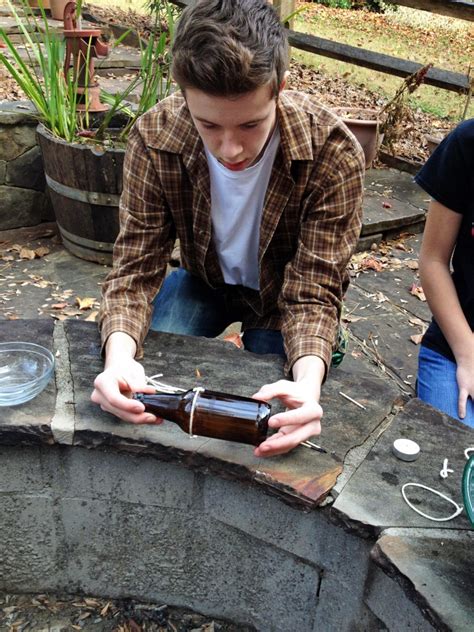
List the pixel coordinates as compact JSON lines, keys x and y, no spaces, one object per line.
{"x":231,"y":147}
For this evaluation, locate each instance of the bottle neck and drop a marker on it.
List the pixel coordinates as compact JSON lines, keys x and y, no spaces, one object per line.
{"x":168,"y":406}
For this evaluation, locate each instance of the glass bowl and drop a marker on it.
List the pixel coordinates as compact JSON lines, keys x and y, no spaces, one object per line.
{"x":25,"y":370}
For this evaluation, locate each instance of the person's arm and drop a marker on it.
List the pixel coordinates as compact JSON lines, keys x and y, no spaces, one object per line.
{"x":122,"y":376}
{"x":142,"y":248}
{"x":313,"y":288}
{"x":302,"y":418}
{"x":140,"y":255}
{"x":439,"y":238}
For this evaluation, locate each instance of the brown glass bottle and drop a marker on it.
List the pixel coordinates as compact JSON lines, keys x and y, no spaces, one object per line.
{"x":216,"y":415}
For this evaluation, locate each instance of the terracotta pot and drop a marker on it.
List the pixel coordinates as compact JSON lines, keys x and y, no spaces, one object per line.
{"x":35,"y":3}
{"x":364,"y":124}
{"x":433,"y":140}
{"x":57,"y":9}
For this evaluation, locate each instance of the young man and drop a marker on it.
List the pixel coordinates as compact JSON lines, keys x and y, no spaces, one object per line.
{"x":263,"y":188}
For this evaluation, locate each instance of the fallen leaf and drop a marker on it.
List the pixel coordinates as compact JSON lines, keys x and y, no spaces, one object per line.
{"x":85,"y":303}
{"x":84,"y":615}
{"x":105,"y":609}
{"x":412,"y":264}
{"x":416,"y":338}
{"x":27,"y":253}
{"x":387,"y":205}
{"x":234,"y":339}
{"x":198,"y":373}
{"x":417,"y":291}
{"x":416,"y":321}
{"x":41,"y":251}
{"x":59,"y":305}
{"x":350,"y":318}
{"x":92,"y":317}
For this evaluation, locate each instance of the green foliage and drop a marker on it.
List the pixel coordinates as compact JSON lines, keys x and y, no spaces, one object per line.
{"x":377,"y":6}
{"x":336,"y":4}
{"x":54,"y":93}
{"x":154,"y":77}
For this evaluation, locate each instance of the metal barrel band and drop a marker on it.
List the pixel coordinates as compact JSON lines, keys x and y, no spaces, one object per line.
{"x":89,"y":197}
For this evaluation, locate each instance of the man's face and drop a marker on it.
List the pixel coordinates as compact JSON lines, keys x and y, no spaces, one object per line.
{"x":235,"y":130}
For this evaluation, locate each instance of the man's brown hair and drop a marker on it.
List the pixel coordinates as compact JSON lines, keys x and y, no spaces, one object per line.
{"x":229,"y":47}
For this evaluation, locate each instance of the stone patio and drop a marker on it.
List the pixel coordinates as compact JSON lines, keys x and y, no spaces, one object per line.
{"x":320,"y":523}
{"x":305,"y":541}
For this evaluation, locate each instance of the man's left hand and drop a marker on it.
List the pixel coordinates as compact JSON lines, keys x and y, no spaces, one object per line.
{"x":301,"y":420}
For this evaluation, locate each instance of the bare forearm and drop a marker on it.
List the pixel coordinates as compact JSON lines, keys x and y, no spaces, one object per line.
{"x":444,"y":303}
{"x":311,"y":371}
{"x":120,"y":346}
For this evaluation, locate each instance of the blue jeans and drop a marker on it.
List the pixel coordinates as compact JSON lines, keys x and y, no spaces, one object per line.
{"x":437,"y":385}
{"x":186,"y":305}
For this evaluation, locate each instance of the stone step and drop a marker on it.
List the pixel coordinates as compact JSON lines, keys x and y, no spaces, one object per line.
{"x":432,"y":568}
{"x":393,"y":204}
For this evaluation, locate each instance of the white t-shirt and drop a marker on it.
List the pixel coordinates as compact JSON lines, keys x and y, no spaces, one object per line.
{"x":237,"y":199}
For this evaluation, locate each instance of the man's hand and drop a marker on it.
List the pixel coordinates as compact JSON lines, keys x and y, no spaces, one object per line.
{"x":122,"y":376}
{"x":302,"y":419}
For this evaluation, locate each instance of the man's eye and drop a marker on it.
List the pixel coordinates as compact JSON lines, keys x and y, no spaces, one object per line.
{"x":250,"y":125}
{"x":207,"y":126}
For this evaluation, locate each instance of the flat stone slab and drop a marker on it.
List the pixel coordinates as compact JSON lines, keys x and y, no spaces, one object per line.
{"x":28,"y":423}
{"x":301,"y":477}
{"x":396,"y":185}
{"x":384,"y":333}
{"x":382,"y":475}
{"x":396,"y":285}
{"x":436,"y":570}
{"x":383,"y":214}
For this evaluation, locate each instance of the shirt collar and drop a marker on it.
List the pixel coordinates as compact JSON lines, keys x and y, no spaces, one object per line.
{"x":175,"y":131}
{"x":295,"y":128}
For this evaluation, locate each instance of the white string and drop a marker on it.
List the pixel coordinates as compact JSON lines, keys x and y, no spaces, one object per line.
{"x":467,"y":452}
{"x":445,"y":470}
{"x":161,"y":386}
{"x":456,"y":513}
{"x":197,"y":391}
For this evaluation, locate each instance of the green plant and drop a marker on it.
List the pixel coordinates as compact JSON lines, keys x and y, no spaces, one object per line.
{"x":54,"y":92}
{"x":336,"y":4}
{"x":154,"y":76}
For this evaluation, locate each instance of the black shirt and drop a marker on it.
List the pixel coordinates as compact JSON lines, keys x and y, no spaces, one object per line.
{"x":448,"y":177}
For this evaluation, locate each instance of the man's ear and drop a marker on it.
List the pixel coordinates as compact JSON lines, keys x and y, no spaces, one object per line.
{"x":284,"y":80}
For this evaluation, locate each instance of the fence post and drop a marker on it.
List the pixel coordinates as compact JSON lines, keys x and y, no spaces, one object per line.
{"x":285,"y":8}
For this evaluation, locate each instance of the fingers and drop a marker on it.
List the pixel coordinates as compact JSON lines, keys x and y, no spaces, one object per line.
{"x":287,"y":438}
{"x":311,"y":411}
{"x":270,"y":391}
{"x":462,"y":402}
{"x":113,"y":393}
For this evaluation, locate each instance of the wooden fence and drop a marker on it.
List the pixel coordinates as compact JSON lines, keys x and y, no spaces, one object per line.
{"x":446,"y":79}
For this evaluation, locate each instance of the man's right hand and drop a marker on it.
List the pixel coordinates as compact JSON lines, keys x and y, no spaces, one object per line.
{"x":122,"y":376}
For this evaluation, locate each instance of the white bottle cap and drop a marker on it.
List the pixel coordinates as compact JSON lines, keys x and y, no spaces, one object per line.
{"x":406,"y":449}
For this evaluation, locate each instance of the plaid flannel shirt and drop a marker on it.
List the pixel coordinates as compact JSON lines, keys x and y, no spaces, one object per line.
{"x":310,"y":224}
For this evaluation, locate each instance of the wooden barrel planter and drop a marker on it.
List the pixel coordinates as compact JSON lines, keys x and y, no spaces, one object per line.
{"x":85,"y":186}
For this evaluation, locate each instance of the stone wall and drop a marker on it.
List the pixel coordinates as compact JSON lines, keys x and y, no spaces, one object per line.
{"x":118,"y":525}
{"x":23,"y":199}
